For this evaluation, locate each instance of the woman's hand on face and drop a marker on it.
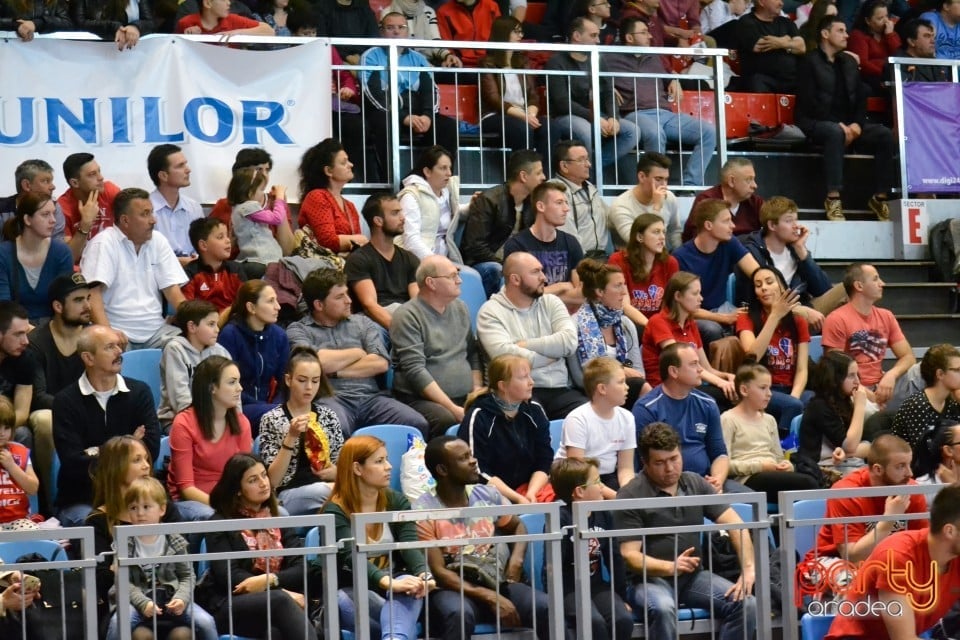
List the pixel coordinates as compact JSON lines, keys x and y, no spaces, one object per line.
{"x":785,"y":303}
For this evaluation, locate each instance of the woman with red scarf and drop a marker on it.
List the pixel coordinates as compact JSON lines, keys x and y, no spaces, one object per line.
{"x":255,"y":585}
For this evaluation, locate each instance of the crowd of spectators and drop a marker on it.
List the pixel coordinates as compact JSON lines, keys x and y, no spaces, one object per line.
{"x":605,"y":337}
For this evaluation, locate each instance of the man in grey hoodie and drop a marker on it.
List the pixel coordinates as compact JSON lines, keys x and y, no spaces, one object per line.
{"x":523,"y":321}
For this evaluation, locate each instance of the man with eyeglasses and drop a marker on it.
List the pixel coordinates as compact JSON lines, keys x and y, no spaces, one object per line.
{"x":919,"y":418}
{"x":588,"y":219}
{"x":416,"y":90}
{"x":435,"y":357}
{"x":646,"y":103}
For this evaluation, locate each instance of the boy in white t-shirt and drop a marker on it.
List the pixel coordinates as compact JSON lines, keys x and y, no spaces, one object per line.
{"x":602,"y":428}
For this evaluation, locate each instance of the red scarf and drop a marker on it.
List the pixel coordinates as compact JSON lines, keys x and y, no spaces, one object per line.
{"x":262,"y":540}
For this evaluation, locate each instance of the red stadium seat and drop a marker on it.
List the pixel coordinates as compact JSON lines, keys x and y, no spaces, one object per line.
{"x":461,"y":102}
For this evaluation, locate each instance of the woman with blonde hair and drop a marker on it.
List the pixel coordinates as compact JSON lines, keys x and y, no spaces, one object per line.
{"x":397,"y":585}
{"x":509,"y":432}
{"x":122,"y":461}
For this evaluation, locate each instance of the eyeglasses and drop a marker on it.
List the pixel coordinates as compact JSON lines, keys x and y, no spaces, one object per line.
{"x":452,"y":276}
{"x":578,"y":160}
{"x":592,"y":483}
{"x":394,"y":27}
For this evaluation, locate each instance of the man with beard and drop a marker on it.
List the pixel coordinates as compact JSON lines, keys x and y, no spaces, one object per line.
{"x":54,"y":350}
{"x":381,"y":275}
{"x":459,"y":604}
{"x":888,"y":464}
{"x":93,"y":409}
{"x":521,"y":320}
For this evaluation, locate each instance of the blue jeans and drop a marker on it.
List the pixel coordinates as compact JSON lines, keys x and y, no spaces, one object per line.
{"x":656,"y":605}
{"x":659,"y":126}
{"x":397,"y":616}
{"x":446,"y":609}
{"x":305,"y":500}
{"x":191,"y":510}
{"x":206,"y":629}
{"x":784,"y":407}
{"x":491,"y":274}
{"x":75,"y":515}
{"x":378,"y":408}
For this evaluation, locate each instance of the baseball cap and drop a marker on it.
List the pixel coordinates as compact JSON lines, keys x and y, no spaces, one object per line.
{"x":64,"y":285}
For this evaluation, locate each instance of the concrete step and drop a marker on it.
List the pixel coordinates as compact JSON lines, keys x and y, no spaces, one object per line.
{"x":920,"y":298}
{"x":929,"y":329}
{"x":890,"y":271}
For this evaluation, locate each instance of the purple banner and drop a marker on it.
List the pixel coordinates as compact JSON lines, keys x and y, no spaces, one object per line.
{"x":932,"y":137}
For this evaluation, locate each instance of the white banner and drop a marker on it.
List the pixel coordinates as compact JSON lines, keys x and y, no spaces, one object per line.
{"x":58,"y":98}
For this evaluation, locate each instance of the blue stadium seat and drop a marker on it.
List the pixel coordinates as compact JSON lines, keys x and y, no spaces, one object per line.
{"x":54,"y":477}
{"x":732,"y":289}
{"x":745,"y":511}
{"x":556,"y":432}
{"x":533,"y":558}
{"x":49,"y":549}
{"x":814,"y":627}
{"x":452,"y":431}
{"x":164,"y":453}
{"x":395,"y":438}
{"x":816,"y":348}
{"x":144,"y":365}
{"x":472,"y":293}
{"x":795,"y":425}
{"x":256,"y":446}
{"x":807,"y":535}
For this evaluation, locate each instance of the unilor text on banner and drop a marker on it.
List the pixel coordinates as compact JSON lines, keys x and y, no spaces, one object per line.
{"x":63,"y":97}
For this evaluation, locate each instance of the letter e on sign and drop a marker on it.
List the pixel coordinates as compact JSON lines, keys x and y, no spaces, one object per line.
{"x":915,"y":222}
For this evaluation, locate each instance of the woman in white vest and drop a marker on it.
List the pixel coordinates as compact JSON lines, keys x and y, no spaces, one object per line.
{"x":431,"y":206}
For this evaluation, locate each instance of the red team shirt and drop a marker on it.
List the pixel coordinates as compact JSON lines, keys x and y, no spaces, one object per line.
{"x":14,"y":502}
{"x":782,"y":350}
{"x":646,"y":296}
{"x":661,"y":328}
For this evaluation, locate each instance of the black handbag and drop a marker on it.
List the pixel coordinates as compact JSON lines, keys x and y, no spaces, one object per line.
{"x":58,"y":615}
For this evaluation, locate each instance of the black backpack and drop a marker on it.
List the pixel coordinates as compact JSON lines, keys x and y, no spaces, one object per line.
{"x":942,"y":251}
